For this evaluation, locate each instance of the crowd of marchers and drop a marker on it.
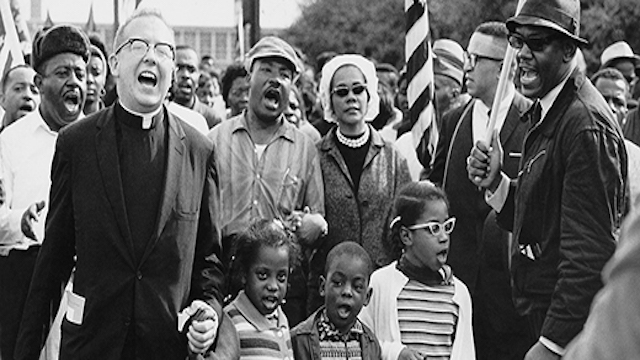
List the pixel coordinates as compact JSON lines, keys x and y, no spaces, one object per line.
{"x":154,"y":205}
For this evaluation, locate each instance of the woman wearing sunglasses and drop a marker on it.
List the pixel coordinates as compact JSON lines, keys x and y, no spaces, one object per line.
{"x":418,"y":309}
{"x":362,"y":172}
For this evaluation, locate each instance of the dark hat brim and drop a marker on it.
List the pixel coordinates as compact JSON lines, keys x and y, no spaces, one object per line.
{"x":521,"y":20}
{"x":635,"y":59}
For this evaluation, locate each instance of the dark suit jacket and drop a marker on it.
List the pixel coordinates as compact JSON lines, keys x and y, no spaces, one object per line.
{"x":467,"y":203}
{"x":87,"y":219}
{"x":566,"y":206}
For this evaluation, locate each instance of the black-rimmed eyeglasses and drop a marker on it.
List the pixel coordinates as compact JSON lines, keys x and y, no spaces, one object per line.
{"x":139,"y":47}
{"x":470,"y":60}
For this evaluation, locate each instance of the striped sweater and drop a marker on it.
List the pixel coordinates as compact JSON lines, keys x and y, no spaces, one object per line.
{"x":259,"y":337}
{"x":428,"y":317}
{"x":381,"y":314}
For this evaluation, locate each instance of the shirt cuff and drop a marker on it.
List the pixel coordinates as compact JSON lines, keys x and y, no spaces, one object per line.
{"x":498,"y":198}
{"x":557,"y":349}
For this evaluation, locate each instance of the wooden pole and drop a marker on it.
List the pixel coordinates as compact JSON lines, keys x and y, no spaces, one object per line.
{"x":502,"y":87}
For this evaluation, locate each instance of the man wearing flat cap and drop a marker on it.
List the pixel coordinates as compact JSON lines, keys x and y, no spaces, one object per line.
{"x":59,"y":58}
{"x":478,"y":253}
{"x":133,"y":207}
{"x":268,"y":168}
{"x":567,"y":203}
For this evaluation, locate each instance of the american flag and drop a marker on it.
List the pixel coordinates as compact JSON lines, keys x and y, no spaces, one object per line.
{"x":10,"y":50}
{"x":420,"y":91}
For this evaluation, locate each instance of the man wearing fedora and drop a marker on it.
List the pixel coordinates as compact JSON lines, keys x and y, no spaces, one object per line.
{"x":620,"y":56}
{"x":567,"y":203}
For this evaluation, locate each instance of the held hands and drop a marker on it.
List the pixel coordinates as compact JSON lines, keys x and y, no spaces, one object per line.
{"x":540,"y":352}
{"x":204,"y":327}
{"x":484,"y":163}
{"x":309,"y":227}
{"x":31,"y":215}
{"x":410,"y":354}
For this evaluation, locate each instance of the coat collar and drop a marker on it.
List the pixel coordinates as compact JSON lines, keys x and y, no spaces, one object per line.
{"x":328,"y":145}
{"x":562,"y":102}
{"x":259,"y":321}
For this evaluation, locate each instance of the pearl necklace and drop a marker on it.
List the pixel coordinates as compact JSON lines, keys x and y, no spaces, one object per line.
{"x":354,"y":143}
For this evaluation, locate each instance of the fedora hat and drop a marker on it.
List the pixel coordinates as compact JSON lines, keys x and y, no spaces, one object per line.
{"x":560,"y":15}
{"x":618,"y":50}
{"x":449,"y":59}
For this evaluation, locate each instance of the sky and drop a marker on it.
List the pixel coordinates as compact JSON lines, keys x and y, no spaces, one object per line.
{"x":276,"y":14}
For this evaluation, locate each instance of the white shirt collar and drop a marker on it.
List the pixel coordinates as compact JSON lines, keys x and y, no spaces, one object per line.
{"x":480,"y":119}
{"x":550,"y":98}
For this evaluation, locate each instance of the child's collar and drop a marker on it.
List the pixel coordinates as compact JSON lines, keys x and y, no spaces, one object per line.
{"x":328,"y":332}
{"x":444,"y":276}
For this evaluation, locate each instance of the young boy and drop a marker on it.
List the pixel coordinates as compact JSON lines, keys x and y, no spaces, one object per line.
{"x":334,"y":331}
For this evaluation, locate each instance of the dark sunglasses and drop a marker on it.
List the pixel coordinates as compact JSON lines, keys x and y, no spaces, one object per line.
{"x":343,"y":90}
{"x":517,"y":41}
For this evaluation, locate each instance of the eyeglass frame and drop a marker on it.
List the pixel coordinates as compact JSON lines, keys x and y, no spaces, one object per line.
{"x":336,"y":90}
{"x":471,"y":59}
{"x":131,"y":40}
{"x":518,"y":41}
{"x":441,"y":226}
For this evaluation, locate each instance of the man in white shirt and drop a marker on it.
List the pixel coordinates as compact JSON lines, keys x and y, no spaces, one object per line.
{"x":26,"y":148}
{"x":566,"y":205}
{"x":19,"y":95}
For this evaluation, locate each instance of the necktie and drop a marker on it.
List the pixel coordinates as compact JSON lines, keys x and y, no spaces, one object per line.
{"x":535,"y":112}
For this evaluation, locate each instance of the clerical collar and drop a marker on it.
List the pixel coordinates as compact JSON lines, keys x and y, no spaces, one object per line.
{"x":146,"y":120}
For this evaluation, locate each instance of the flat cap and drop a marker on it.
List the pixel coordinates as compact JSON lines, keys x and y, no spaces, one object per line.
{"x":272,"y":46}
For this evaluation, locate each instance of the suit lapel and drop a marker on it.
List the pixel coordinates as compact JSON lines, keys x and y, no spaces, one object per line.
{"x":510,"y":124}
{"x":175,"y":152}
{"x":109,"y":165}
{"x":518,"y":108}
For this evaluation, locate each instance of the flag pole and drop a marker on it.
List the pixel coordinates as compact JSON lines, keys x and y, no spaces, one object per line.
{"x":502,"y":86}
{"x":420,"y":89}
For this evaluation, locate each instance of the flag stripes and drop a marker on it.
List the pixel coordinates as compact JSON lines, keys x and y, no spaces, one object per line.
{"x":420,"y":91}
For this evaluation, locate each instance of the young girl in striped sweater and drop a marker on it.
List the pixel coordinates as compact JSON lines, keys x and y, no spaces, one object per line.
{"x":418,"y":309}
{"x":264,"y":257}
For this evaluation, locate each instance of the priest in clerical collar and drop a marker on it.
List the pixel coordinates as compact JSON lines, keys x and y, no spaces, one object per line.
{"x":134,"y":207}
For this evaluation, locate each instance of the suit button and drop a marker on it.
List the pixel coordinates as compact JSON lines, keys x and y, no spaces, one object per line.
{"x":139,"y":275}
{"x":365,"y":203}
